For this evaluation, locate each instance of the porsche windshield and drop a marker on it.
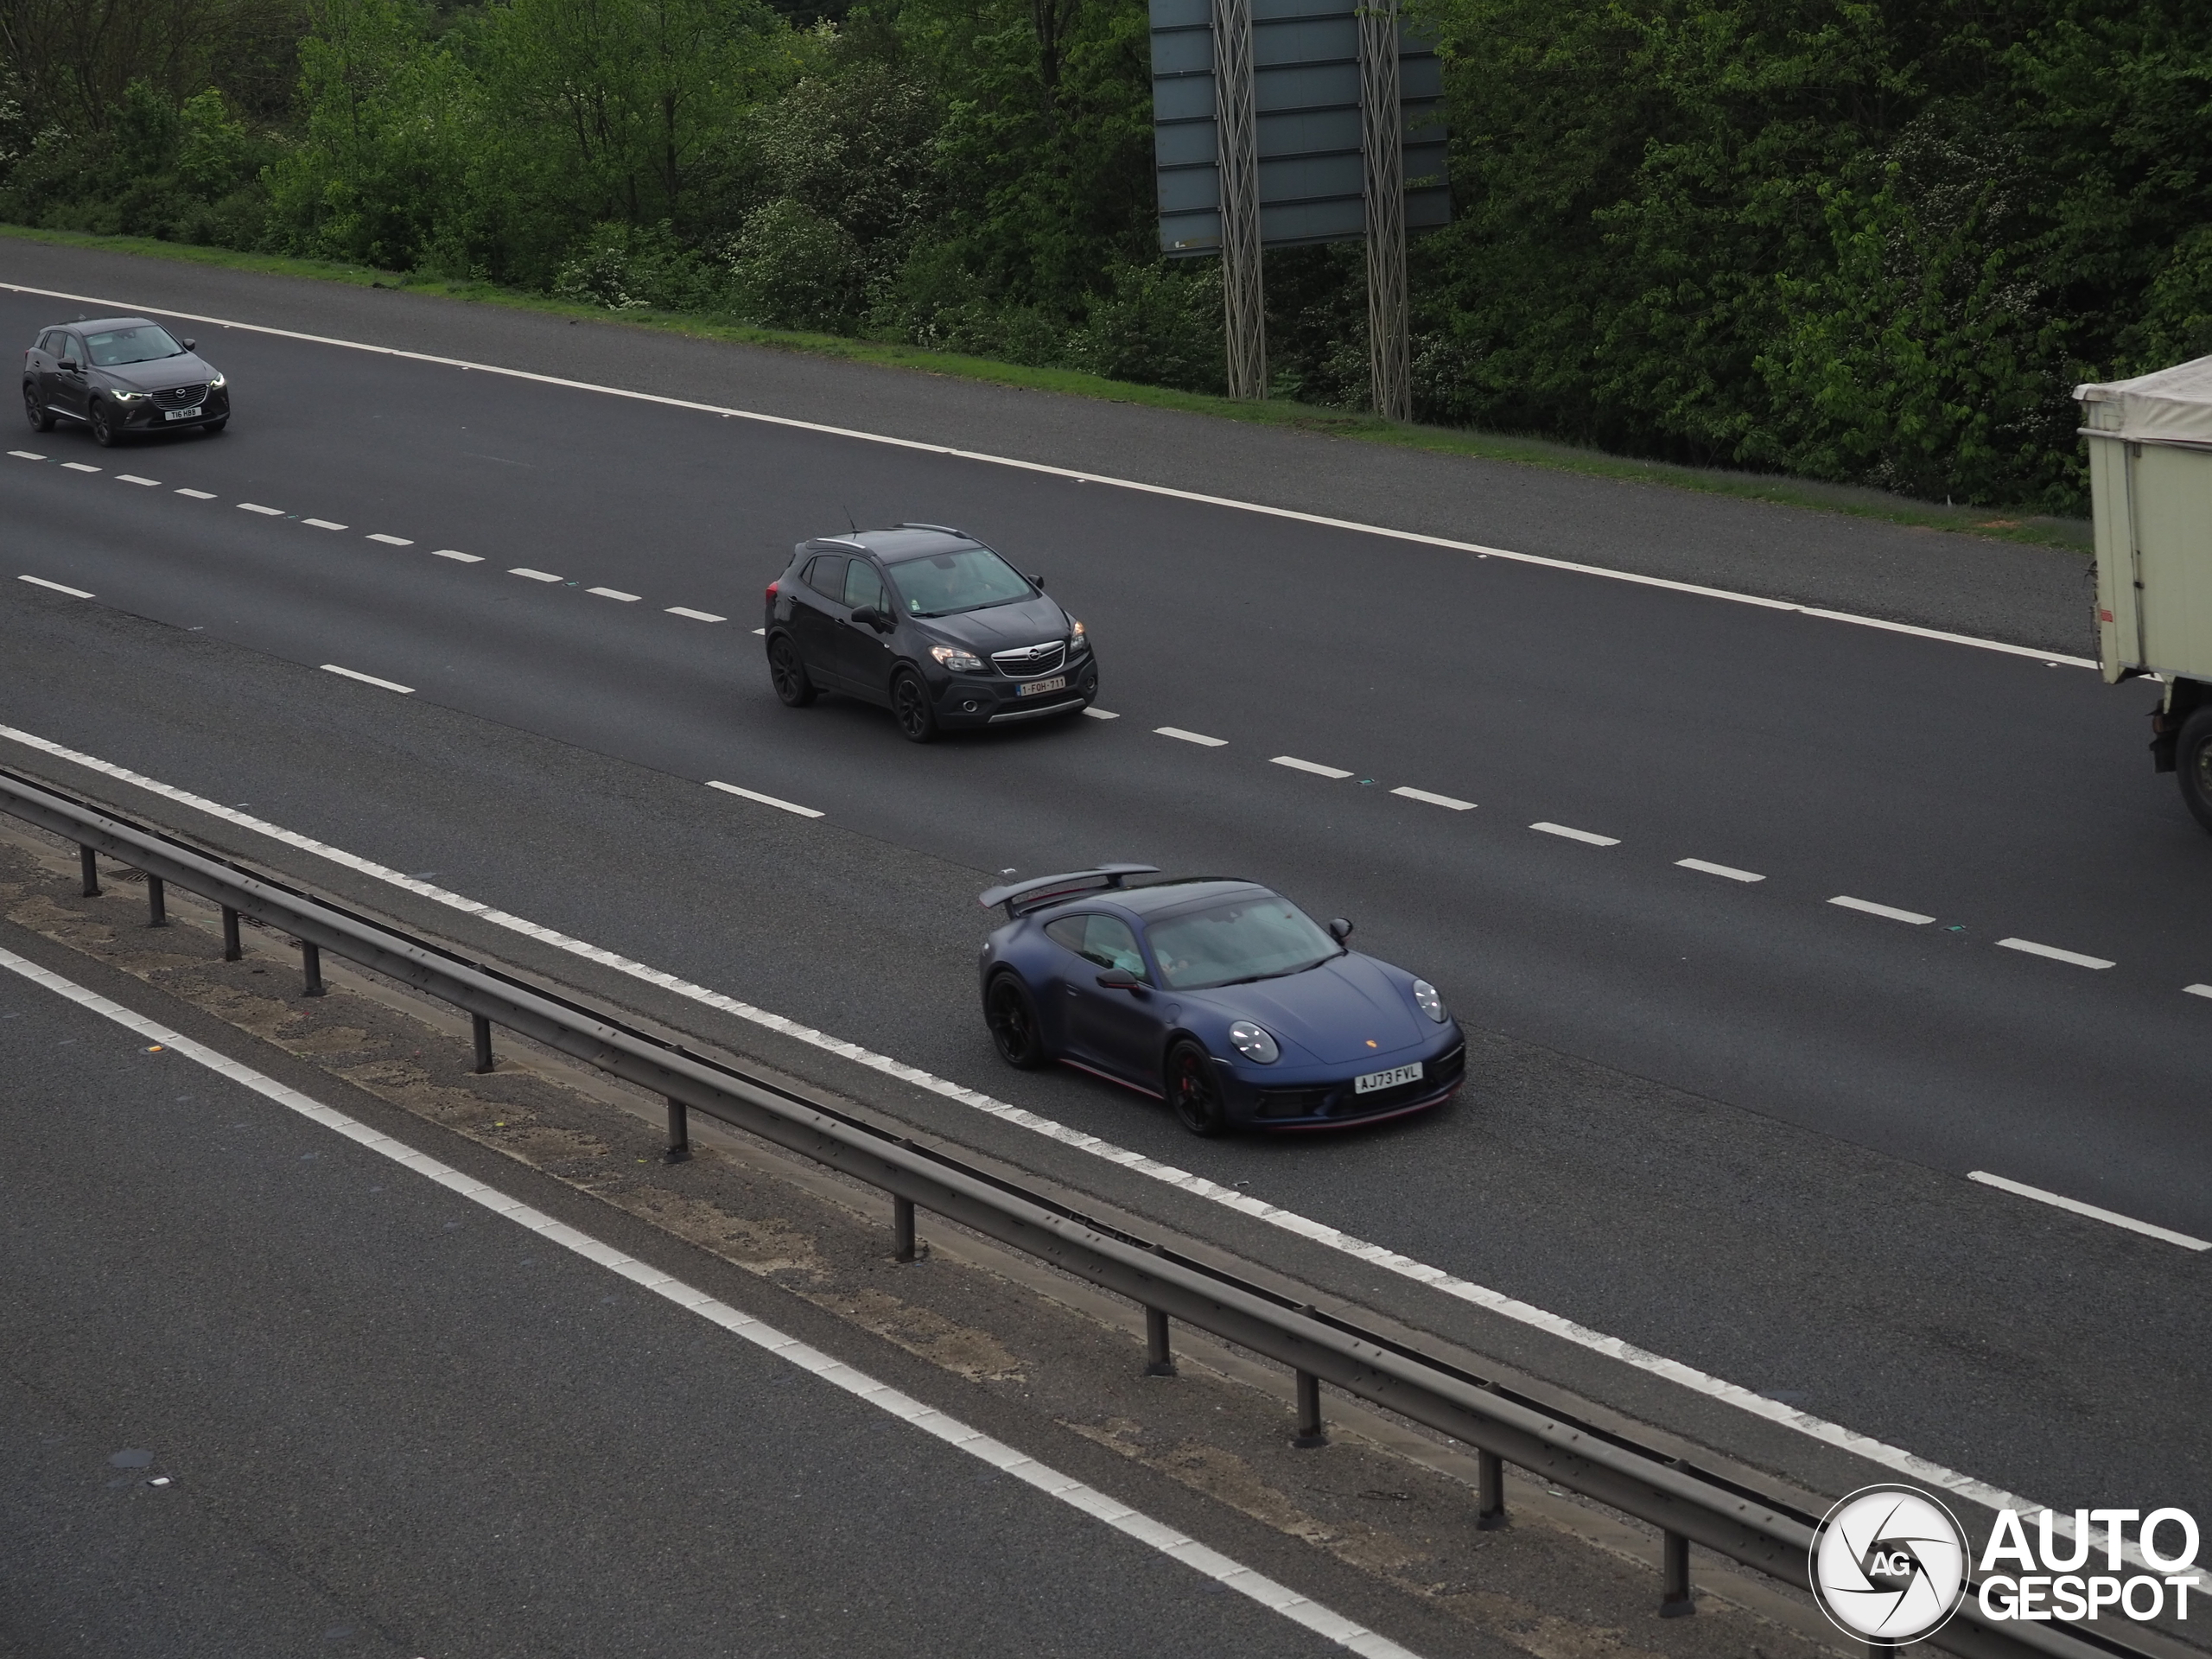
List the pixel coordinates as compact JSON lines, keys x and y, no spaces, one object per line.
{"x":966,"y":579}
{"x":1246,"y":938}
{"x":112,"y":348}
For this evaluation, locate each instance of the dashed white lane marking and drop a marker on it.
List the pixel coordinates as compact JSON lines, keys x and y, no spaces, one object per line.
{"x":1199,"y":738}
{"x":198,"y":495}
{"x":1380,"y":1257}
{"x":765,"y":800}
{"x":40,"y":582}
{"x":1666,"y":584}
{"x":1297,"y":765}
{"x":1088,"y":1500}
{"x":2197,"y":990}
{"x":1412,"y":794}
{"x":27,"y":454}
{"x":614,"y":593}
{"x":389,"y":541}
{"x":2052,"y":951}
{"x":368,"y":679}
{"x":1890,"y":911}
{"x":79,"y":466}
{"x":322,"y":524}
{"x":2061,"y":1202}
{"x":1100,"y":714}
{"x":267,"y":512}
{"x":697,"y":616}
{"x":1572,"y":834}
{"x":760,"y":633}
{"x":534,"y":575}
{"x":133,"y":478}
{"x":455,"y":553}
{"x":1709,"y":869}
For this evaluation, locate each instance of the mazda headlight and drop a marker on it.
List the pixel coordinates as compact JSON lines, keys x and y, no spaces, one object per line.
{"x":122,"y":397}
{"x":1426,"y":997}
{"x":959,"y":661}
{"x":219,"y":382}
{"x":1254,"y":1044}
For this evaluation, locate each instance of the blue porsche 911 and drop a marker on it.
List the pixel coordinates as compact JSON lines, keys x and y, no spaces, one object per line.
{"x":1219,"y":997}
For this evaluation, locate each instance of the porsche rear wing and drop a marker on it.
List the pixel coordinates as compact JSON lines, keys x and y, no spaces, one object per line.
{"x":1025,"y":896}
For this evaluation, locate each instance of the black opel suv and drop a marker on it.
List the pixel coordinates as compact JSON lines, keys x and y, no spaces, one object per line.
{"x":122,"y":375}
{"x":931,"y":624}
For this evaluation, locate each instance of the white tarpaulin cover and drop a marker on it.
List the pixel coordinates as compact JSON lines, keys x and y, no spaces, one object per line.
{"x":2172,"y":406}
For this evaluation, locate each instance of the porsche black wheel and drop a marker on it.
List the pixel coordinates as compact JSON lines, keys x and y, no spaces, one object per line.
{"x":1012,"y":1017}
{"x":1194,"y":1091}
{"x":789,"y":674}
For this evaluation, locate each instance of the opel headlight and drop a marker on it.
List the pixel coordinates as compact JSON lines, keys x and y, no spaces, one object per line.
{"x":1426,"y":997}
{"x":1077,"y":639}
{"x":959,"y":661}
{"x":122,"y":397}
{"x":1254,"y":1044}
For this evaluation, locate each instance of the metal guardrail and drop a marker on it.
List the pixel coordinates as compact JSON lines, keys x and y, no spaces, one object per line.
{"x":1688,"y":1504}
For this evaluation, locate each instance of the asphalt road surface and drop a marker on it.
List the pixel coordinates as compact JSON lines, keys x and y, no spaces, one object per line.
{"x":1714,"y":1110}
{"x":267,"y":1391}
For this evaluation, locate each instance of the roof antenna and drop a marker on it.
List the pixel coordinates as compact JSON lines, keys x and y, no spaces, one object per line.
{"x":850,"y":524}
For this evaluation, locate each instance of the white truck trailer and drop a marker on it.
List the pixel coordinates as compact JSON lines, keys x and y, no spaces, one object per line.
{"x":2151,"y":490}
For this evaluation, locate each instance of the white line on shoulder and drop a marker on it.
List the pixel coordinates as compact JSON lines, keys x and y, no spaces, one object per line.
{"x":40,"y":582}
{"x":368,"y":679}
{"x":765,"y":800}
{"x":2022,"y":1189}
{"x":1089,"y":1500}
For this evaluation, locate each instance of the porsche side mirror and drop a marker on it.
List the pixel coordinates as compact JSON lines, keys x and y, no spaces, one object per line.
{"x":1119,"y":979}
{"x":1340,"y":929}
{"x":190,"y":344}
{"x":1038,"y":582}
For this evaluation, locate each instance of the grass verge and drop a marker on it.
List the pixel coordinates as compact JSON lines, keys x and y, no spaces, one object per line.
{"x":2072,"y":534}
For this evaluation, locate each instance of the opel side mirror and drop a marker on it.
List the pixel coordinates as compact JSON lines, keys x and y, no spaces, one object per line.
{"x":868,"y":617}
{"x":1340,"y":929}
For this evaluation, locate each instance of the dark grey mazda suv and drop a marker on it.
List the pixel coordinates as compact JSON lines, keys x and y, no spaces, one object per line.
{"x":931,"y":624}
{"x":122,"y":375}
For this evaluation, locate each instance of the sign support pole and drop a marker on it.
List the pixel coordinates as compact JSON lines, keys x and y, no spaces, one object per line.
{"x":1243,"y":303}
{"x":1383,"y":150}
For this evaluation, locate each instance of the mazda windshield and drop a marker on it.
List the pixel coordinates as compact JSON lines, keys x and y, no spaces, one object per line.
{"x":1244,"y":939}
{"x":965,"y":579}
{"x":112,"y":348}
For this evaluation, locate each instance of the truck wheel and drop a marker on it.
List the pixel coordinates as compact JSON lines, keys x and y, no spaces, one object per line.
{"x":2193,"y":764}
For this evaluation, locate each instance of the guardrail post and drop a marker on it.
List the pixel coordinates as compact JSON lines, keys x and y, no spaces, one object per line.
{"x":90,"y":868}
{"x":1310,"y":1432}
{"x":157,"y":909}
{"x":231,"y":949}
{"x":1490,"y":1490}
{"x":679,"y":1131}
{"x":1674,"y":1576}
{"x":311,"y":969}
{"x":902,"y":1228}
{"x":1159,"y":1359}
{"x":480,"y":1028}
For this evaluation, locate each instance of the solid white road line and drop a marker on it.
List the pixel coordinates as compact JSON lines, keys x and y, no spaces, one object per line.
{"x":26,"y":454}
{"x":1665,"y":583}
{"x":1412,"y":794}
{"x":1132,"y":1524}
{"x":697,"y":616}
{"x":368,"y":679}
{"x":79,"y":466}
{"x":614,"y":593}
{"x":2197,"y":990}
{"x":1100,"y":714}
{"x":765,"y":800}
{"x":389,"y":541}
{"x":1199,"y":738}
{"x":465,"y":558}
{"x":267,"y":512}
{"x":198,"y":495}
{"x":133,"y":478}
{"x":1890,"y":911}
{"x":321,"y":524}
{"x":534,"y":575}
{"x":2089,"y":1209}
{"x":1297,"y":765}
{"x":73,"y":593}
{"x":1733,"y":874}
{"x":2054,"y":953}
{"x":1378,"y":1256}
{"x":1577,"y":835}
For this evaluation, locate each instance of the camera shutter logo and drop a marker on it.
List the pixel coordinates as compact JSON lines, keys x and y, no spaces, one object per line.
{"x":1889,"y":1564}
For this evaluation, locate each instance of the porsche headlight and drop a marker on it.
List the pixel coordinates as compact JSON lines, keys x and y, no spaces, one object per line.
{"x":959,"y":661}
{"x":1426,"y":998}
{"x":1253,"y":1043}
